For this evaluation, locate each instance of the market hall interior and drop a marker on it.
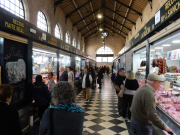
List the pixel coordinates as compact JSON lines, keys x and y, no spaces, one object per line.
{"x":50,"y":42}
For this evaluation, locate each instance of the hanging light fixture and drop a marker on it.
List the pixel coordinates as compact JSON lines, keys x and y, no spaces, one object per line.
{"x":99,"y":14}
{"x":100,"y":28}
{"x":103,"y":41}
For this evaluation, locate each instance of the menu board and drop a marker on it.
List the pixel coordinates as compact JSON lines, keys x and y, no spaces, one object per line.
{"x":169,"y":55}
{"x":15,"y":61}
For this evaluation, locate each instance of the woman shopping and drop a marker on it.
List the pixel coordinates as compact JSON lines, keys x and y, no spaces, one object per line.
{"x":131,"y":85}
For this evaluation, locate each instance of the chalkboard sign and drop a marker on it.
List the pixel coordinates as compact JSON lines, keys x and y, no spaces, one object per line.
{"x":15,"y":61}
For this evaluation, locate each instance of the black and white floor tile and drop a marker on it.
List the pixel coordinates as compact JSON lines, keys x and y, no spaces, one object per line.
{"x":101,"y":116}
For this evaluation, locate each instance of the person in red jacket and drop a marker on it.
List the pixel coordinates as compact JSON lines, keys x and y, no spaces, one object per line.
{"x":104,"y":68}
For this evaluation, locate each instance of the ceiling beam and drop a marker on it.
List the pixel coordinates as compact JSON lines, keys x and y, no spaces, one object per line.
{"x":85,"y":17}
{"x":115,"y":32}
{"x":91,"y":29}
{"x":128,"y":7}
{"x":116,"y":28}
{"x":68,"y":15}
{"x":91,"y":34}
{"x":57,"y":3}
{"x":86,"y":25}
{"x":118,"y":23}
{"x":121,"y":15}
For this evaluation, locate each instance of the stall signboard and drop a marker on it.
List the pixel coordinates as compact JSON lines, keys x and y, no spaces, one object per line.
{"x":78,"y":52}
{"x":73,"y":49}
{"x":159,"y":21}
{"x":67,"y":47}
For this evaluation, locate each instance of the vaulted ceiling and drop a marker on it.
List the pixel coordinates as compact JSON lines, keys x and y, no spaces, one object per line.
{"x":118,"y":15}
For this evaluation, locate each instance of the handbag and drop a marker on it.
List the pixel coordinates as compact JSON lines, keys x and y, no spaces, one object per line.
{"x":120,"y":94}
{"x":51,"y":121}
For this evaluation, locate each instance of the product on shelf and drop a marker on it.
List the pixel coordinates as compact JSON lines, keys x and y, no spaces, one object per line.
{"x":143,"y":63}
{"x":141,"y":80}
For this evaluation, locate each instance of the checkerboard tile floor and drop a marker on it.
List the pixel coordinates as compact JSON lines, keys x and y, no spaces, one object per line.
{"x":101,"y":116}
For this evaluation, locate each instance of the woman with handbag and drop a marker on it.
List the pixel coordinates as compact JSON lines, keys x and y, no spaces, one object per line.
{"x":65,"y":118}
{"x":131,"y":85}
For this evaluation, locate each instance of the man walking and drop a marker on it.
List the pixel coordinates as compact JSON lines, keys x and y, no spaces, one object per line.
{"x":86,"y":84}
{"x":64,"y":75}
{"x":100,"y":75}
{"x":70,"y":76}
{"x":143,"y":108}
{"x":118,"y":82}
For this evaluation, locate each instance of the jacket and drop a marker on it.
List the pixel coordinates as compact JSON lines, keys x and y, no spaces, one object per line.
{"x":100,"y":74}
{"x":41,"y":94}
{"x":70,"y":76}
{"x":64,"y":76}
{"x":65,"y":123}
{"x":143,"y":107}
{"x":86,"y":82}
{"x":9,"y":120}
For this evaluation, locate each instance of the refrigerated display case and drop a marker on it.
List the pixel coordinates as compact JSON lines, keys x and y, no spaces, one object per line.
{"x":44,"y":62}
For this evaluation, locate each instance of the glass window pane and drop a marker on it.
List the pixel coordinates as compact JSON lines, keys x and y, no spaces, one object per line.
{"x":104,"y":59}
{"x":14,"y":6}
{"x":41,"y":21}
{"x":110,"y":59}
{"x":57,"y":32}
{"x":98,"y":59}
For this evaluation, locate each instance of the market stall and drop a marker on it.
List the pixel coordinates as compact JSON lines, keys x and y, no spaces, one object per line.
{"x":44,"y":61}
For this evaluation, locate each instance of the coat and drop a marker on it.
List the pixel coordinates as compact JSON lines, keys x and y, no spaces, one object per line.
{"x":41,"y":94}
{"x":64,"y":76}
{"x":9,"y":120}
{"x":65,"y":123}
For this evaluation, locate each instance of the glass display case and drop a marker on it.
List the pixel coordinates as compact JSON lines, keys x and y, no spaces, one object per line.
{"x":44,"y":62}
{"x":77,"y":66}
{"x":64,"y":61}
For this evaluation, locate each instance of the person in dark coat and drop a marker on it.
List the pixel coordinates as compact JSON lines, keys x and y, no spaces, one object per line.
{"x":41,"y":95}
{"x":92,"y":74}
{"x":64,"y":75}
{"x":100,"y":75}
{"x":107,"y":70}
{"x":9,"y":117}
{"x":66,"y":118}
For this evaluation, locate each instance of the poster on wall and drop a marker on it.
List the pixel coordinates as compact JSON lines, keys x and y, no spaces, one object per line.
{"x":83,"y":63}
{"x":174,"y":55}
{"x":169,"y":55}
{"x":15,"y":63}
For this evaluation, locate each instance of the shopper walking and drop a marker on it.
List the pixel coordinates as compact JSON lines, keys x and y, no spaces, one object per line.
{"x":41,"y":95}
{"x":131,"y":85}
{"x":70,"y":76}
{"x":92,"y":75}
{"x":118,"y":82}
{"x":100,"y":75}
{"x":64,"y":75}
{"x":143,"y":108}
{"x":107,"y":70}
{"x":50,"y":83}
{"x":66,"y":118}
{"x":86,"y":84}
{"x":9,"y":117}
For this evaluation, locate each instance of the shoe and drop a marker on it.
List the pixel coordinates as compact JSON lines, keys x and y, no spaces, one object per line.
{"x":124,"y":119}
{"x":128,"y":121}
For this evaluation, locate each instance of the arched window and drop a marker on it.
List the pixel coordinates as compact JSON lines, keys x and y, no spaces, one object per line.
{"x":104,"y":50}
{"x":78,"y":47}
{"x":57,"y":32}
{"x":67,"y":38}
{"x":104,"y":54}
{"x":41,"y":21}
{"x":13,"y":6}
{"x":83,"y":48}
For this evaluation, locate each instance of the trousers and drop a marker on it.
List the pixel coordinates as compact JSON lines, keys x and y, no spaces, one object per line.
{"x":127,"y":101}
{"x":86,"y":93}
{"x":141,"y":128}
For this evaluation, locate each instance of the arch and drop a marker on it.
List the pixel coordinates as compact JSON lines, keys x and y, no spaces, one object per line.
{"x":57,"y":31}
{"x":74,"y":42}
{"x":15,"y":7}
{"x":26,"y":10}
{"x":107,"y":50}
{"x":78,"y":47}
{"x":42,"y":21}
{"x":67,"y":39}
